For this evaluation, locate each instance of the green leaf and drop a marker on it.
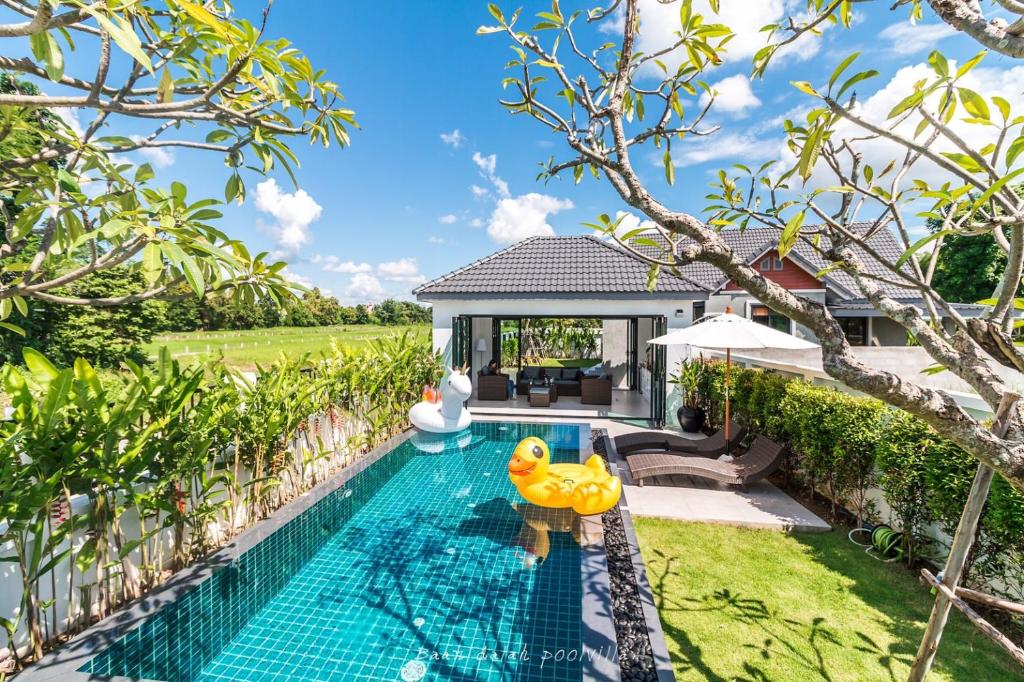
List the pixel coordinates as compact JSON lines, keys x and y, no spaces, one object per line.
{"x":938,"y":63}
{"x":12,"y":328}
{"x":854,"y":79}
{"x":152,"y":262}
{"x":122,"y":33}
{"x":165,"y":91}
{"x":670,"y":169}
{"x":194,"y":276}
{"x":996,"y":186}
{"x":804,"y":86}
{"x":203,"y":16}
{"x":971,"y":63}
{"x":45,"y":49}
{"x":40,"y":368}
{"x":1014,"y":150}
{"x":964,"y":161}
{"x":842,"y":67}
{"x":1003,"y":106}
{"x":973,"y":103}
{"x":916,"y":246}
{"x":787,"y":240}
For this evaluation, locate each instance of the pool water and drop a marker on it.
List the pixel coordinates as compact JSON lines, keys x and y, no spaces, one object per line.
{"x":426,"y":566}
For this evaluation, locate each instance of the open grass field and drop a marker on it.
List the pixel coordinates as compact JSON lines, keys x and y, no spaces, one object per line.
{"x":245,"y":349}
{"x":740,"y":604}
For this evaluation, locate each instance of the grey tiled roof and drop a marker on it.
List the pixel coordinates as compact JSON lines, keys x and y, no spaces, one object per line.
{"x":585,"y":264}
{"x":555,"y":265}
{"x":754,"y":241}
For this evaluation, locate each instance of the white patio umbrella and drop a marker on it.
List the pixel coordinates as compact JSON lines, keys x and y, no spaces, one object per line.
{"x":726,"y":332}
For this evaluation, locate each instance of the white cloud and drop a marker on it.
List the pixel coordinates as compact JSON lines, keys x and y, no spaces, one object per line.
{"x":433,"y":239}
{"x":401,"y":270}
{"x":488,"y":166}
{"x":447,"y":219}
{"x":476,"y":222}
{"x":631,"y":221}
{"x":293,"y":212}
{"x":1007,"y":83}
{"x":751,"y":147}
{"x":733,"y":95}
{"x":335,"y":264}
{"x":659,"y":23}
{"x":906,"y":38}
{"x":365,"y":287}
{"x":501,"y":186}
{"x":524,"y":216}
{"x":479,"y":192}
{"x":454,"y":139}
{"x":70,"y":117}
{"x":161,"y":157}
{"x":301,"y":280}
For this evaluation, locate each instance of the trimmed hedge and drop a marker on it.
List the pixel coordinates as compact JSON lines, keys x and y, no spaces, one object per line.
{"x":845,"y":445}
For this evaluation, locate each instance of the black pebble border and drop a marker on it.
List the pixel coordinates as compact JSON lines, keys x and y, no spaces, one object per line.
{"x":636,"y":658}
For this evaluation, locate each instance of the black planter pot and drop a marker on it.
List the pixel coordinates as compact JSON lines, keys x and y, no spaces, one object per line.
{"x":691,"y":419}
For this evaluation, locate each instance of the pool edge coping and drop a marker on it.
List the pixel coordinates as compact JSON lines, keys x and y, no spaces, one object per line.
{"x":64,"y":662}
{"x":655,"y":632}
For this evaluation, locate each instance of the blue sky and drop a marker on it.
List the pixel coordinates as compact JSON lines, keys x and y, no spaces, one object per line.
{"x":399,"y":205}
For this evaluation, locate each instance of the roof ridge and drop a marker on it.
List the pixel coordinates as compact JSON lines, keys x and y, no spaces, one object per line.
{"x":479,"y":261}
{"x":626,"y":252}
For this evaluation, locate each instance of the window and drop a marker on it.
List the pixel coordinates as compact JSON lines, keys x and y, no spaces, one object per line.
{"x":769,"y":318}
{"x":776,"y":263}
{"x":856,"y":330}
{"x":698,"y":310}
{"x":766,"y":264}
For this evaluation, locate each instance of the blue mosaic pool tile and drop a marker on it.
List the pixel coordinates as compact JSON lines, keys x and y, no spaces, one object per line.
{"x":416,"y":569}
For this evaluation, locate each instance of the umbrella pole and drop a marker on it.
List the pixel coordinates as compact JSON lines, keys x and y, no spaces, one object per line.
{"x":728,"y":358}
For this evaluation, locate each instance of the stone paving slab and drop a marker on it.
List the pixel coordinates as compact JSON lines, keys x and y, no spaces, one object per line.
{"x":762,"y":506}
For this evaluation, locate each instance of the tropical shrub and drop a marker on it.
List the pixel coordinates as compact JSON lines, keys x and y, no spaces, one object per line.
{"x":188,"y":455}
{"x":844,"y":445}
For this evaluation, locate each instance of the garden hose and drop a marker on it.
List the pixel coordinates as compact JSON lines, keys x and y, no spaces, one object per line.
{"x":885,"y":543}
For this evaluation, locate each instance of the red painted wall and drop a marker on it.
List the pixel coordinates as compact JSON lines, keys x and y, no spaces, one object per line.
{"x":792,"y":276}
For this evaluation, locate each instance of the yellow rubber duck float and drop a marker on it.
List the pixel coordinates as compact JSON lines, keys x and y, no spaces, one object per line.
{"x":585,"y":488}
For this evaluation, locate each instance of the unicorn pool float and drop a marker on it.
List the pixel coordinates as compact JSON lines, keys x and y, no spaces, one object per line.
{"x":444,"y":410}
{"x":585,"y":488}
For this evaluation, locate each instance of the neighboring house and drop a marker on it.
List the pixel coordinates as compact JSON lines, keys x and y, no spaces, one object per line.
{"x":585,"y":276}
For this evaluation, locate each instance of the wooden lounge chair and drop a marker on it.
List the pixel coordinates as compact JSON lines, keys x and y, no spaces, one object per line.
{"x":759,"y":461}
{"x":659,"y":441}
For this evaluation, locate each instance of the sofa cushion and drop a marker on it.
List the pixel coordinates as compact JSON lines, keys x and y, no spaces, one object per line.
{"x":531,"y":372}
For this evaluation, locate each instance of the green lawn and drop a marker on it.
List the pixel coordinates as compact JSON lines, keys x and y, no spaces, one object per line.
{"x":739,"y":604}
{"x":245,"y":349}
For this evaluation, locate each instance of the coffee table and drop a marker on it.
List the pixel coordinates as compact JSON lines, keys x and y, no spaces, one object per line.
{"x":540,"y":396}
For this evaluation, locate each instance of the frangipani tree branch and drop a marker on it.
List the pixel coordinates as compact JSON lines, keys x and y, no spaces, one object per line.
{"x":191,"y":63}
{"x":768,"y":197}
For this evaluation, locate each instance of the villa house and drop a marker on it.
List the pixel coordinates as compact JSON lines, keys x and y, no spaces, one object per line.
{"x":588,"y":277}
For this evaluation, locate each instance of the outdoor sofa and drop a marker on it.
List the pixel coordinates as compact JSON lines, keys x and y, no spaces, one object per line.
{"x":491,"y":386}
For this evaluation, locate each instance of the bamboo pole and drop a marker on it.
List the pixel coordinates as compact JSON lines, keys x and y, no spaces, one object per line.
{"x":963,"y":539}
{"x":989,"y":600}
{"x":987,"y":628}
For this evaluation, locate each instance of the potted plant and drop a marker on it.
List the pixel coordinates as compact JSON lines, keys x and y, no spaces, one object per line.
{"x":687,"y":378}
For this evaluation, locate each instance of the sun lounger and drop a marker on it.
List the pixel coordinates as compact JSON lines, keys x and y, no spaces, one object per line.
{"x":759,"y":461}
{"x":660,"y":441}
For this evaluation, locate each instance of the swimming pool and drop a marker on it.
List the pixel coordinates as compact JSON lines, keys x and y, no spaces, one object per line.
{"x":424,"y":565}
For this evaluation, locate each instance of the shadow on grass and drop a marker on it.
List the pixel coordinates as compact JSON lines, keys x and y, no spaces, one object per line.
{"x":799,"y":644}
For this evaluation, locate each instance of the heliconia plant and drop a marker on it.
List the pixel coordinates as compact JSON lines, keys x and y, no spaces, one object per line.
{"x":188,"y":455}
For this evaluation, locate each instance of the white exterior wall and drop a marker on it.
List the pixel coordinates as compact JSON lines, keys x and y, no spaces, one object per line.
{"x":741,"y":302}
